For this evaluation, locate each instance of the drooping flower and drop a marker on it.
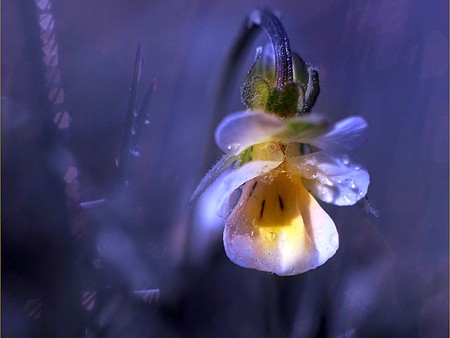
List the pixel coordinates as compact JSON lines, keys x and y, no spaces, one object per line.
{"x":277,"y":225}
{"x":279,"y":158}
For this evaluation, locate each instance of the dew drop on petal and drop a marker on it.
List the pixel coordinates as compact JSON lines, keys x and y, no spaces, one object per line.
{"x":278,"y":156}
{"x":309,"y":172}
{"x":326,"y":181}
{"x":233,"y":147}
{"x":345,"y":160}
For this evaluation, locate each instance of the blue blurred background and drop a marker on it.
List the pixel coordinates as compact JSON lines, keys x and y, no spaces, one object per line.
{"x":147,"y":266}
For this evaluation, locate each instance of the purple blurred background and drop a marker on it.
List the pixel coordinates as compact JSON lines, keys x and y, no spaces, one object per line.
{"x":147,"y":267}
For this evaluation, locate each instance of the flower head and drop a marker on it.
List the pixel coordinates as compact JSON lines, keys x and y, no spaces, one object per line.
{"x":279,"y":160}
{"x":282,"y":167}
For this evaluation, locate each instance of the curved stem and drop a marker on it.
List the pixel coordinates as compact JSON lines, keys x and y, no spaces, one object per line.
{"x":282,"y":49}
{"x":266,"y":20}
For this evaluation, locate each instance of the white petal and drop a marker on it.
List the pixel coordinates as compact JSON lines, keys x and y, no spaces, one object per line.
{"x":334,"y":177}
{"x":278,"y":226}
{"x":206,"y":226}
{"x":302,"y":128}
{"x":241,"y":130}
{"x":347,"y":133}
{"x":234,"y":178}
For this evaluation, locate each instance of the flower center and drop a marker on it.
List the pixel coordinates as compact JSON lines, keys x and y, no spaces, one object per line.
{"x":275,"y":151}
{"x":268,"y":151}
{"x":274,"y":207}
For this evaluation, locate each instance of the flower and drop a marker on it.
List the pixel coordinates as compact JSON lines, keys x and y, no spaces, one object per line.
{"x":279,"y":158}
{"x":280,"y":166}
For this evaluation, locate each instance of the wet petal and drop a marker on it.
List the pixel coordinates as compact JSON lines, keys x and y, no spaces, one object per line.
{"x":277,"y":226}
{"x":348,"y":133}
{"x":334,"y":176}
{"x":234,"y":178}
{"x":241,"y":130}
{"x":302,"y":128}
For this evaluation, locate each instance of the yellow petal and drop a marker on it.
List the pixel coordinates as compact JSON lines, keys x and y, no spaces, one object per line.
{"x":278,"y":226}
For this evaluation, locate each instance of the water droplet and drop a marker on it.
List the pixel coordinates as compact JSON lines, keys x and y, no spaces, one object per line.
{"x":309,"y":172}
{"x":345,"y":160}
{"x":357,"y":167}
{"x":251,"y":233}
{"x":278,"y":155}
{"x":233,"y":146}
{"x":254,"y":223}
{"x":273,"y":235}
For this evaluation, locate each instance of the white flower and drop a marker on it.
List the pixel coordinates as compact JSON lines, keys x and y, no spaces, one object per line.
{"x":280,"y":165}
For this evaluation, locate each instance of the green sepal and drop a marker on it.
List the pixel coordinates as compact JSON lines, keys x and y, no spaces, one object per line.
{"x":301,"y":98}
{"x":255,"y":92}
{"x":284,"y":102}
{"x":312,"y":90}
{"x":308,"y":76}
{"x":246,"y":156}
{"x":224,"y":163}
{"x":300,"y":70}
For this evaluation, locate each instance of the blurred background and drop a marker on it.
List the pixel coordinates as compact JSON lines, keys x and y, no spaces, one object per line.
{"x":144,"y":264}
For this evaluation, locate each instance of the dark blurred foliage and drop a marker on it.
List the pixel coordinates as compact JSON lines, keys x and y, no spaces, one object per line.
{"x":141,"y":264}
